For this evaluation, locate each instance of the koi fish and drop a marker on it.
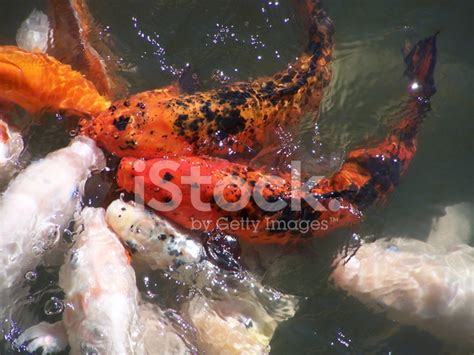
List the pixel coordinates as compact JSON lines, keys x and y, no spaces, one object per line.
{"x":247,"y":312}
{"x":366,"y":176}
{"x":37,"y":206}
{"x":152,"y":239}
{"x":227,"y":121}
{"x":37,"y":82}
{"x":232,"y":119}
{"x":417,"y":283}
{"x":102,"y":310}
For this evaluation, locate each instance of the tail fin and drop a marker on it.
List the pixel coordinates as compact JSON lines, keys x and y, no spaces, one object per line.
{"x":421,"y":62}
{"x":369,"y":174}
{"x":37,"y":82}
{"x":75,"y":40}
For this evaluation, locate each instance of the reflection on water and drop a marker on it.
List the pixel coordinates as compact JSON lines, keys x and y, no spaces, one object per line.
{"x":227,"y":40}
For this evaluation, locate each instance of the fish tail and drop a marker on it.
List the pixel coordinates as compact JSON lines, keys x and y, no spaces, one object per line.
{"x":421,"y":62}
{"x":83,"y":50}
{"x":310,"y":73}
{"x":369,"y":174}
{"x":300,"y":87}
{"x":420,"y":65}
{"x":321,"y":29}
{"x":37,"y":82}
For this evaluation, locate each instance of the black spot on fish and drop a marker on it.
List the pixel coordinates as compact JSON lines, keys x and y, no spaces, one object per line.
{"x":268,"y":88}
{"x":234,"y":98}
{"x":168,"y":176}
{"x":207,"y":112}
{"x":231,"y":123}
{"x":175,"y":253}
{"x":167,"y":199}
{"x":194,"y":125}
{"x":181,"y":121}
{"x":121,"y":123}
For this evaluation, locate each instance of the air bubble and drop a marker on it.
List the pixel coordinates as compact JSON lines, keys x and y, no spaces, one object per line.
{"x":31,"y":276}
{"x":53,"y":306}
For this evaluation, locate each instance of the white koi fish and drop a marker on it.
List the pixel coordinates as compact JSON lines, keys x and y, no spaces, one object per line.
{"x":38,"y":204}
{"x":430,"y":286}
{"x":102,"y":312}
{"x":246,"y":313}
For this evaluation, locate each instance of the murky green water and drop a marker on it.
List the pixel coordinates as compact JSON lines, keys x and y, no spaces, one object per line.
{"x":249,"y":38}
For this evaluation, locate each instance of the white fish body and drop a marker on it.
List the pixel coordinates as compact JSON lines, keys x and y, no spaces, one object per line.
{"x":33,"y":34}
{"x":233,"y":326}
{"x":158,"y":333}
{"x":157,"y":242}
{"x":247,"y":313}
{"x":416,"y":283}
{"x":103,"y":314}
{"x":39,"y":203}
{"x":101,"y":297}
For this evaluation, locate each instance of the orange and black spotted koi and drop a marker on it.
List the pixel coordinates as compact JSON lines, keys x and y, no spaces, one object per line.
{"x":366,"y":176}
{"x":232,"y":120}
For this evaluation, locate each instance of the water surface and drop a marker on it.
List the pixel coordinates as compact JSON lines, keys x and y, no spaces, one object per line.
{"x":240,"y":39}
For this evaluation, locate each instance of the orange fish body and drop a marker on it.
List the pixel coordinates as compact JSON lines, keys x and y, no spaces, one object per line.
{"x":233,"y":120}
{"x":367,"y":176}
{"x":241,"y":187}
{"x":37,"y":83}
{"x":228,"y":122}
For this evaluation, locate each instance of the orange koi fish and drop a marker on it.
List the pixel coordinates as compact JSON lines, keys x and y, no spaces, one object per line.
{"x":37,"y":82}
{"x":366,"y":176}
{"x":222,"y":122}
{"x":226,"y":121}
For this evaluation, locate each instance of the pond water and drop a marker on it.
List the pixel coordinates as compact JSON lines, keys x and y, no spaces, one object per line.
{"x":229,"y":40}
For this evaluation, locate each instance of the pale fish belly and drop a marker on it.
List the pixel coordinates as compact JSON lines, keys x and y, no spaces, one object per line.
{"x":103,"y":311}
{"x":37,"y":206}
{"x":232,"y":303}
{"x":430,"y":286}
